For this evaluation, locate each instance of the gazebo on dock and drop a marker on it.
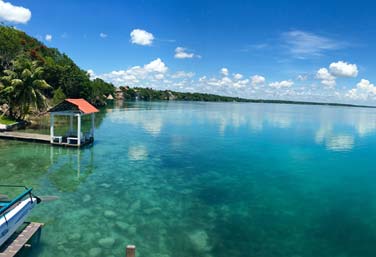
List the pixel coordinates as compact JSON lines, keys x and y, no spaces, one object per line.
{"x":73,"y":108}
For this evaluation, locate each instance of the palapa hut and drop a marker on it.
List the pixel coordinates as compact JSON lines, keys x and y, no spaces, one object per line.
{"x":74,"y":109}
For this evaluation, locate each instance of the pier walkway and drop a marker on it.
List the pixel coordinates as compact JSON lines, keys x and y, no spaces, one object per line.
{"x":25,"y":136}
{"x":21,"y":240}
{"x":46,"y":139}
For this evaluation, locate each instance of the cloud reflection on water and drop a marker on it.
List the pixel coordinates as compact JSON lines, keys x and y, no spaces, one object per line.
{"x":150,"y":121}
{"x":340,"y":143}
{"x":137,"y":153}
{"x":335,"y":127}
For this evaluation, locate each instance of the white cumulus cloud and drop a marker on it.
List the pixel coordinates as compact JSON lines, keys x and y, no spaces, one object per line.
{"x":323,"y":73}
{"x":336,"y":69}
{"x":329,"y":83}
{"x":364,"y":90}
{"x":281,"y":84}
{"x":103,"y":35}
{"x":224,"y":71}
{"x":48,"y":37}
{"x":343,"y":69}
{"x":302,"y":77}
{"x":156,"y":66}
{"x":154,"y":70}
{"x":182,"y":74}
{"x":238,"y":76}
{"x":14,"y":14}
{"x":257,"y":80}
{"x":159,"y":76}
{"x":141,"y":37}
{"x":90,"y":72}
{"x":326,"y":78}
{"x":182,"y":53}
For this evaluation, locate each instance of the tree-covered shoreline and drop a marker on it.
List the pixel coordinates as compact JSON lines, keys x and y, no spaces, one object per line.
{"x":149,"y":94}
{"x":34,"y":77}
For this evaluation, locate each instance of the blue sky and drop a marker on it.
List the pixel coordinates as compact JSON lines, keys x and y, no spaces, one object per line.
{"x":300,"y":50}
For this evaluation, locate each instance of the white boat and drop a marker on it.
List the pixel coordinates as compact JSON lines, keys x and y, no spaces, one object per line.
{"x":14,"y":212}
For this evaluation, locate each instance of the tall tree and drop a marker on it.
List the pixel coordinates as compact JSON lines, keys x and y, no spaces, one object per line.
{"x":10,"y":46}
{"x":24,"y":88}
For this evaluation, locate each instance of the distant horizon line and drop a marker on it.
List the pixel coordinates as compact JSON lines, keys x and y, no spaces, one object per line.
{"x":253,"y":100}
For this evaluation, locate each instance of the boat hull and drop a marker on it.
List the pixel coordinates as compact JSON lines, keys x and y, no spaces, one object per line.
{"x":12,"y":220}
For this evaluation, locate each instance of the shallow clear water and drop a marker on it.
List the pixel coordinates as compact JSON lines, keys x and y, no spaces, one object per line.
{"x":208,"y":179}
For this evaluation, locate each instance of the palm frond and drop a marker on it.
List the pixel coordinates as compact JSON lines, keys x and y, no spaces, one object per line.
{"x":7,"y":90}
{"x":26,"y":73}
{"x":38,"y":72}
{"x":40,"y":101}
{"x":17,"y":82}
{"x":10,"y":73}
{"x":41,"y":84}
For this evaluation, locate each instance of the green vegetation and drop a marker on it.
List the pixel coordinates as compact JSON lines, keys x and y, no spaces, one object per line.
{"x":24,"y":87}
{"x":32,"y":76}
{"x":6,"y":121}
{"x":149,"y":94}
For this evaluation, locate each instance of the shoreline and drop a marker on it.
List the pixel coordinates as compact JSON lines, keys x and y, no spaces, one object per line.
{"x":267,"y":101}
{"x":29,"y":121}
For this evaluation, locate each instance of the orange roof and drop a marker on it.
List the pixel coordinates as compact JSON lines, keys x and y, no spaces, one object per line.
{"x":83,"y":105}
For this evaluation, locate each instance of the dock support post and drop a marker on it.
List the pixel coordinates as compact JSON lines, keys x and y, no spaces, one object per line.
{"x":92,"y":125}
{"x":70,"y":124}
{"x":51,"y":155}
{"x":130,"y":251}
{"x":52,"y":127}
{"x":79,"y":130}
{"x":78,"y":164}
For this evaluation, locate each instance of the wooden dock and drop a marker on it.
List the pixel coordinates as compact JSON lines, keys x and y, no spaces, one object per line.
{"x":31,"y":137}
{"x":30,"y":235}
{"x":40,"y":138}
{"x":21,"y":240}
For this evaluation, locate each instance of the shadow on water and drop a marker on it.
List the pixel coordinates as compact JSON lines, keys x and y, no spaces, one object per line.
{"x":51,"y":171}
{"x":71,"y":168}
{"x":341,"y":232}
{"x":38,"y":165}
{"x":347,"y":224}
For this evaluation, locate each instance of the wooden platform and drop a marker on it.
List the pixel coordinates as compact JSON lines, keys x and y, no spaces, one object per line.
{"x":21,"y":240}
{"x":32,"y":137}
{"x":38,"y":138}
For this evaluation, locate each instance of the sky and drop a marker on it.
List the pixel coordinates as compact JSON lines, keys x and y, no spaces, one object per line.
{"x":294,"y":50}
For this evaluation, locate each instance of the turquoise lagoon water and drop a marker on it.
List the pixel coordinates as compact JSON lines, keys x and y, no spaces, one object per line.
{"x":208,"y":179}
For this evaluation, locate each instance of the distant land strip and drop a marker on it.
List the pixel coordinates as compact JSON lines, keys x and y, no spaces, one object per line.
{"x":149,"y":94}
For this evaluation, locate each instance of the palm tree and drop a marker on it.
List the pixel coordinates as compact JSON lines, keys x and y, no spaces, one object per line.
{"x":7,"y":91}
{"x":24,"y":88}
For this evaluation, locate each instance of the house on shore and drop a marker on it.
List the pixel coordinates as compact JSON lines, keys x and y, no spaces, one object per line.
{"x":119,"y":95}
